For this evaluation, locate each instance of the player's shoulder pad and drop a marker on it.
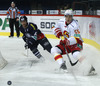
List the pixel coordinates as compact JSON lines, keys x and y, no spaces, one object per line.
{"x":30,"y":23}
{"x":74,"y":24}
{"x":33,"y":25}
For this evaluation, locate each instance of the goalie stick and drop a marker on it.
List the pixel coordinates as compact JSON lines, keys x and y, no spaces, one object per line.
{"x":72,"y":64}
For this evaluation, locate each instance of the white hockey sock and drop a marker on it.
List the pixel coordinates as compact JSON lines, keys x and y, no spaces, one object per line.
{"x":60,"y":61}
{"x":78,"y":56}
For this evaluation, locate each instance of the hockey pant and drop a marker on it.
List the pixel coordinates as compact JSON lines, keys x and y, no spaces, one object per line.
{"x":43,"y":42}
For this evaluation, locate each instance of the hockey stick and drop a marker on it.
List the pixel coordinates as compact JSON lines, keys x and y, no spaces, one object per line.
{"x":72,"y":64}
{"x":27,"y":46}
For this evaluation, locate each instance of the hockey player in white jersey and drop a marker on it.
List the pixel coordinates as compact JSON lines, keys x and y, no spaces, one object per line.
{"x":69,"y":28}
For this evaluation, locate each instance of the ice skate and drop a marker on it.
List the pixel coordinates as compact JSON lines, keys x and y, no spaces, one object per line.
{"x":92,"y":71}
{"x":63,"y":68}
{"x":41,"y":59}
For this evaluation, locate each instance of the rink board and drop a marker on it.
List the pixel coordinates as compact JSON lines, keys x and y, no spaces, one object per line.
{"x":89,"y":26}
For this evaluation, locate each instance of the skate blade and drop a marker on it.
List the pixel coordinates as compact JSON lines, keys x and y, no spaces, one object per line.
{"x":61,"y":71}
{"x":93,"y":73}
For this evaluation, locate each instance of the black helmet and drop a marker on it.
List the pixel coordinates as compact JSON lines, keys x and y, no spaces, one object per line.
{"x":23,"y":18}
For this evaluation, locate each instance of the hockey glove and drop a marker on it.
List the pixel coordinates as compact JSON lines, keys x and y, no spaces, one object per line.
{"x":26,"y":46}
{"x":24,"y":38}
{"x":58,"y":32}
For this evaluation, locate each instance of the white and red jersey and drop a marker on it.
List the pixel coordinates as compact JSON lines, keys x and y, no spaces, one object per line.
{"x":70,"y":31}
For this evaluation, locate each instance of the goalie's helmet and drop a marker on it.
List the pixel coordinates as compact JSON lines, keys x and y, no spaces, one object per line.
{"x":69,"y":12}
{"x":23,"y":18}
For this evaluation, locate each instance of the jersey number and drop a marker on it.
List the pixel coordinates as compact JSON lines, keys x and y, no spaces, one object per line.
{"x":77,"y":31}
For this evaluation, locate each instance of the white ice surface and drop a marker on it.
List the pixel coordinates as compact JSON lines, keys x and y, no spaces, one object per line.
{"x":20,"y":72}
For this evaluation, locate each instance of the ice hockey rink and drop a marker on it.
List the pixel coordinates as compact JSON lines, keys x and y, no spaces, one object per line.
{"x":29,"y":71}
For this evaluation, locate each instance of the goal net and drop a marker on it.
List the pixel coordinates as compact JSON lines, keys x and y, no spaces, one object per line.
{"x":3,"y":62}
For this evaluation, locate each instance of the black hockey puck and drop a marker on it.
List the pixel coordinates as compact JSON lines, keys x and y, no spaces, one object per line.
{"x":9,"y":82}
